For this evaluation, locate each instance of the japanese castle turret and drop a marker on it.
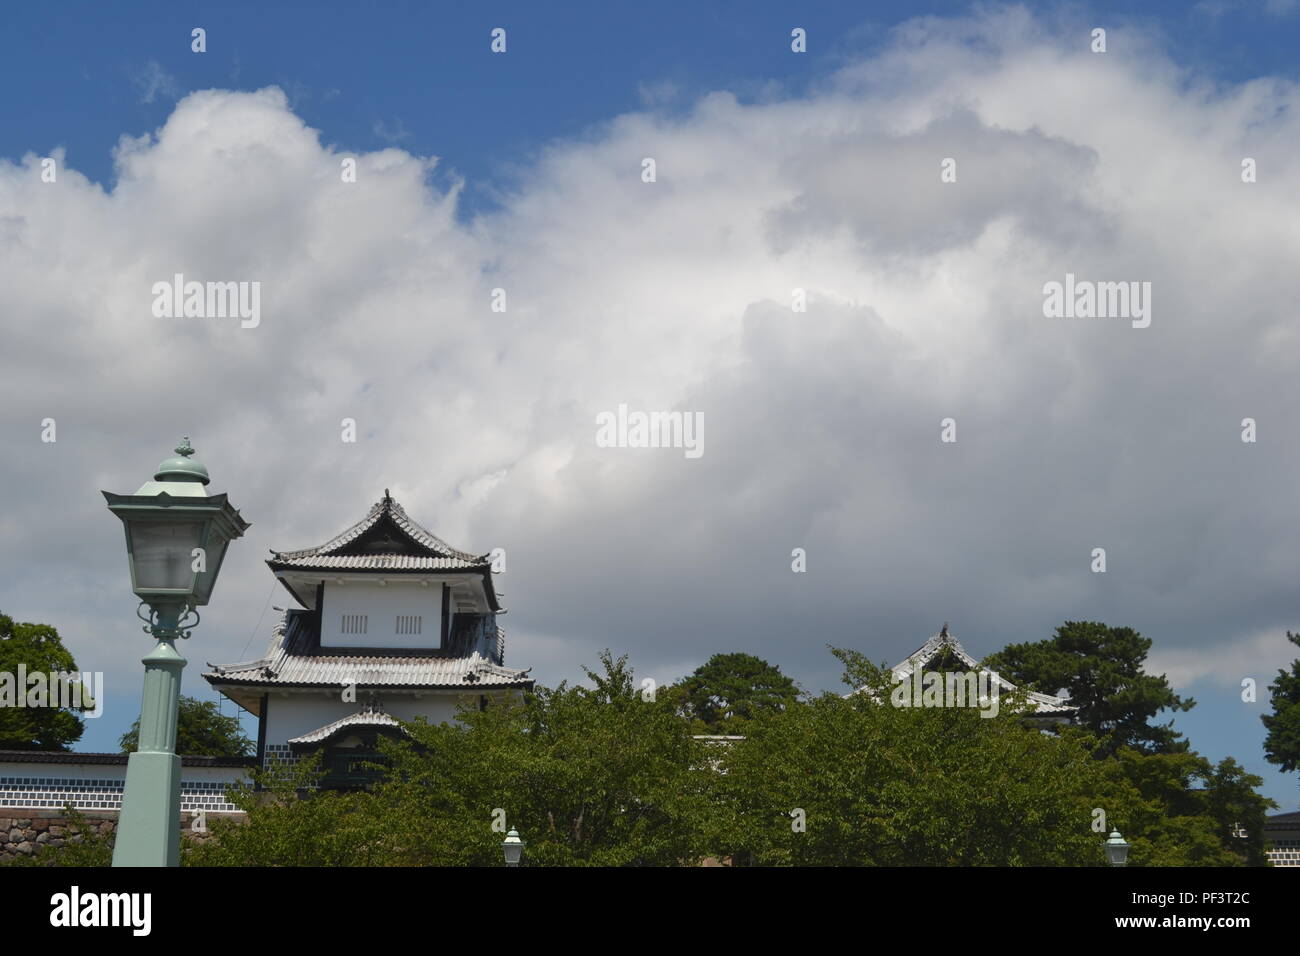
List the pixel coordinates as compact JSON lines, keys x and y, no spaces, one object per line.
{"x":393,"y":623}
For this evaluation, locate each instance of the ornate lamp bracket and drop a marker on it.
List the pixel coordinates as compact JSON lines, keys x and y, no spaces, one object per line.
{"x":162,"y":626}
{"x":184,"y":626}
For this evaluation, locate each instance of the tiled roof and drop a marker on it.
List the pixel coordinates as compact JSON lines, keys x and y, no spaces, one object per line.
{"x":377,"y":562}
{"x":421,"y":551}
{"x":295,"y":658}
{"x":72,"y":757}
{"x":367,"y":717}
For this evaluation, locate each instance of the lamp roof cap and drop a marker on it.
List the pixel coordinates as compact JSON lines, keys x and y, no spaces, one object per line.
{"x":182,"y":467}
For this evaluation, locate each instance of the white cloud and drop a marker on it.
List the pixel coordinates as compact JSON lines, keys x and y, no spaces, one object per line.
{"x":1257,"y":656}
{"x":823,"y":427}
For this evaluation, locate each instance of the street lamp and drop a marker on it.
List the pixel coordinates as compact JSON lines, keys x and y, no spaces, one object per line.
{"x":513,"y":847}
{"x":176,"y":538}
{"x":1116,"y":849}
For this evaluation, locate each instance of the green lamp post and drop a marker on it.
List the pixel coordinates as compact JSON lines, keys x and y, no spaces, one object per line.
{"x":176,"y":538}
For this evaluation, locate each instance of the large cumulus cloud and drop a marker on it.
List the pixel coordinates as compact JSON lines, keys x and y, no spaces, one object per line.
{"x":822,"y":427}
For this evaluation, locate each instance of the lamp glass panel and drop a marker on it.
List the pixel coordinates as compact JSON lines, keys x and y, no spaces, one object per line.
{"x":161,"y":553}
{"x":215,"y":551}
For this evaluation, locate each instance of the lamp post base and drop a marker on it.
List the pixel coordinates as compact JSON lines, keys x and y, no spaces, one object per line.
{"x":148,"y":828}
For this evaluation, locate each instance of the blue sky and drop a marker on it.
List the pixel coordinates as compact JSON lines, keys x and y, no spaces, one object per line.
{"x":420,"y":75}
{"x":420,"y":78}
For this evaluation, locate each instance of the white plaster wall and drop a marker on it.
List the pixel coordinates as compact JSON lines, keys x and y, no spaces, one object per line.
{"x":100,"y":786}
{"x":71,"y":771}
{"x":109,"y":771}
{"x":299,"y":713}
{"x":382,"y":605}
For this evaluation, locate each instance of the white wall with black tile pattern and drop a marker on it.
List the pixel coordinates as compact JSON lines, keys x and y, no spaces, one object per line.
{"x":97,"y":784}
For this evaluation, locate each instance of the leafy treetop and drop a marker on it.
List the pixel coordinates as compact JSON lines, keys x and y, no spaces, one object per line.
{"x":201,"y":731}
{"x":39,"y":649}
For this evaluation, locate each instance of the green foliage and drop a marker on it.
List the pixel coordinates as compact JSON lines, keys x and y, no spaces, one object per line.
{"x":1174,"y":806}
{"x":596,"y":776}
{"x":601,"y":776}
{"x":288,"y":823}
{"x":1178,"y":809}
{"x":1231,"y":800}
{"x":201,"y":731}
{"x":1101,"y":667}
{"x":733,"y":688}
{"x":861,"y":674}
{"x":589,"y":776}
{"x":1282,"y":743}
{"x":40,"y":650}
{"x":891,"y":786}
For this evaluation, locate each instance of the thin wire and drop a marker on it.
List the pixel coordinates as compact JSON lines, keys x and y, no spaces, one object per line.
{"x":258,"y":626}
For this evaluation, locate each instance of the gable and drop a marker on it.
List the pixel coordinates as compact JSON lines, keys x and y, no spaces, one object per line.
{"x":385,"y":537}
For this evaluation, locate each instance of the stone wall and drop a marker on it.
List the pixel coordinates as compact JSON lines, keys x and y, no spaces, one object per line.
{"x":35,"y":832}
{"x":38,"y":830}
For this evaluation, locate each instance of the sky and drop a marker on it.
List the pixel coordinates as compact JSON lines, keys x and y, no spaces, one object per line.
{"x":775,"y":171}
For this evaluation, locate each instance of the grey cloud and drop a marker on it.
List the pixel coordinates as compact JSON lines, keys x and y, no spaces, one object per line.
{"x":822,"y":428}
{"x":886,"y":189}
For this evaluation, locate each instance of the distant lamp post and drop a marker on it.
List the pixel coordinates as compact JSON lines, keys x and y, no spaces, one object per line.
{"x":513,"y":847}
{"x":176,"y":538}
{"x":1116,"y":849}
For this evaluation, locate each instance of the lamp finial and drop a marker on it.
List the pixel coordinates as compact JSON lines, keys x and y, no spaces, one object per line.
{"x":182,"y":467}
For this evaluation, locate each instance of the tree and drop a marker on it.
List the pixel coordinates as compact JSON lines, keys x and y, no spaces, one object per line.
{"x":597,"y":776}
{"x":287,"y":823}
{"x":201,"y":731}
{"x":1238,"y":811}
{"x":1178,"y":809}
{"x":605,"y":776}
{"x":732,"y":688}
{"x":39,"y":650}
{"x":1282,"y":744}
{"x":857,"y":781}
{"x":1174,"y":806}
{"x":1101,"y":667}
